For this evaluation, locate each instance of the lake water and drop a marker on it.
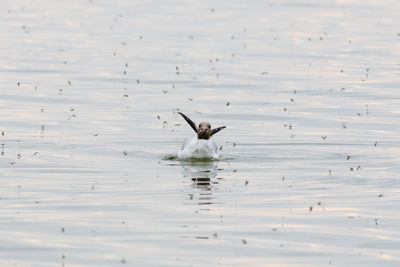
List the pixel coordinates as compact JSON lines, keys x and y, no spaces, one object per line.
{"x":309,"y":168}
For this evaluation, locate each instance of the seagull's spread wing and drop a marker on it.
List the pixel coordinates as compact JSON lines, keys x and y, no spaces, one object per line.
{"x":216,"y":130}
{"x":191,"y":123}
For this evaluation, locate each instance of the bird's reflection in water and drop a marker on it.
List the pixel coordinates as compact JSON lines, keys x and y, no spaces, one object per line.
{"x":203,"y":176}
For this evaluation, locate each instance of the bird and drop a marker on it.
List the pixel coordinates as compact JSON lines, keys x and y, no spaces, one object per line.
{"x":200,"y":145}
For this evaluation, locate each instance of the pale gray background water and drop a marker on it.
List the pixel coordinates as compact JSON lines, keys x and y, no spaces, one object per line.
{"x":89,"y":92}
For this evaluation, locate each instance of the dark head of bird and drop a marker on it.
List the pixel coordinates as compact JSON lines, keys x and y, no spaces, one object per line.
{"x":204,"y":130}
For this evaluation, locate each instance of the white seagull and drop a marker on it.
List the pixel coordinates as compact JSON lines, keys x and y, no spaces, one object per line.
{"x":200,"y":145}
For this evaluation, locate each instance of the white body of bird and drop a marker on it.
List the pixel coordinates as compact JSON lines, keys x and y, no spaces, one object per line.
{"x":194,"y":147}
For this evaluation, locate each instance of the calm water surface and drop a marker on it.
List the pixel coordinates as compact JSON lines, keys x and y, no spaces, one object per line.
{"x":309,"y":169}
